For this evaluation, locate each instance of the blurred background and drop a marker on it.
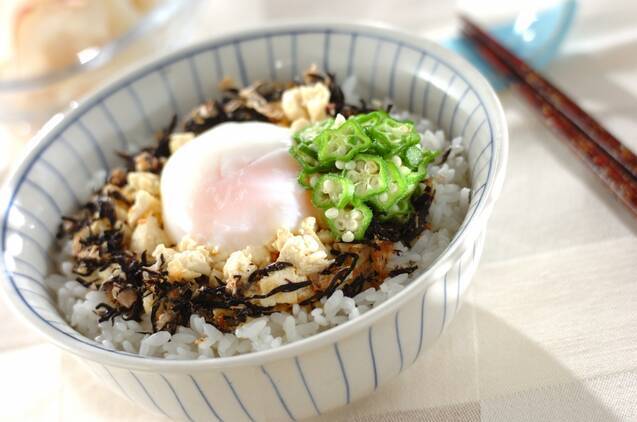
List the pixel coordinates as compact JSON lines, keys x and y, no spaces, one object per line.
{"x":549,"y":325}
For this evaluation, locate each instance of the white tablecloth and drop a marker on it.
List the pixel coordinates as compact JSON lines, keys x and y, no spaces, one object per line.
{"x":549,"y":327}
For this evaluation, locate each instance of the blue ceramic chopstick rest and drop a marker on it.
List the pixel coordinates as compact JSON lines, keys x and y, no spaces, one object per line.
{"x":535,"y":35}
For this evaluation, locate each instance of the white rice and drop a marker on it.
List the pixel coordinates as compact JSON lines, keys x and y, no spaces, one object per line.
{"x":202,"y":340}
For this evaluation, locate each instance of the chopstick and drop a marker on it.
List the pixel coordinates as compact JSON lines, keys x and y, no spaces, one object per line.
{"x":553,"y":95}
{"x":606,"y":156}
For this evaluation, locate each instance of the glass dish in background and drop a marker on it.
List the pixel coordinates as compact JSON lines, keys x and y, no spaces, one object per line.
{"x":27,"y":102}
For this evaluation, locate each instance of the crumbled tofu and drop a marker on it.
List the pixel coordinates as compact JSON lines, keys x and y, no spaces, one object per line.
{"x":308,"y":226}
{"x":144,"y":181}
{"x":218,"y":261}
{"x":215,"y":275}
{"x":178,"y":140}
{"x":238,"y":268}
{"x":188,"y":265}
{"x":187,"y":243}
{"x":238,"y":263}
{"x":161,"y":252}
{"x":214,"y":257}
{"x":144,"y":206}
{"x":307,"y":102}
{"x":282,"y":235}
{"x":292,"y":104}
{"x":315,"y":99}
{"x":305,"y":251}
{"x":260,"y":255}
{"x":279,"y":278}
{"x":147,"y":235}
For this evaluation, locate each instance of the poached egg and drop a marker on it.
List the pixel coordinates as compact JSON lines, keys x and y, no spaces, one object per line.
{"x":233,"y":186}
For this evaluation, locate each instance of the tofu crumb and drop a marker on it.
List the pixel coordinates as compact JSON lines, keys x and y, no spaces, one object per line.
{"x":292,"y":105}
{"x":188,"y":265}
{"x":305,"y":250}
{"x":315,"y":99}
{"x":147,"y":236}
{"x":178,"y":140}
{"x":164,"y":253}
{"x":279,"y":278}
{"x":307,"y":102}
{"x":237,"y":269}
{"x":144,"y":181}
{"x":144,"y":206}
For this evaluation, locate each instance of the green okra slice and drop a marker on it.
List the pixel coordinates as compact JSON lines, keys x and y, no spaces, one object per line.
{"x":396,"y":188}
{"x":368,"y":173}
{"x":332,"y":190}
{"x":342,"y":143}
{"x":394,"y":135}
{"x":401,"y":210}
{"x":308,"y":134}
{"x":350,"y":223}
{"x":308,"y":179}
{"x":307,"y":158}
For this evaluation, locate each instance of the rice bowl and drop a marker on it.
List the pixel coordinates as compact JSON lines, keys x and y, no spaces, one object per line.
{"x":81,"y":300}
{"x":322,"y":360}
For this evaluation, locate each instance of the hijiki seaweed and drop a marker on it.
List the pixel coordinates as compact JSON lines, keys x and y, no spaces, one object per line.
{"x":100,"y":235}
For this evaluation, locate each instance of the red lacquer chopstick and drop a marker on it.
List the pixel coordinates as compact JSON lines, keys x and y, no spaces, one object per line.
{"x":612,"y":167}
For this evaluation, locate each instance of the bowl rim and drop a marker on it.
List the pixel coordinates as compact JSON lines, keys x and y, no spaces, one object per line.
{"x":477,"y":220}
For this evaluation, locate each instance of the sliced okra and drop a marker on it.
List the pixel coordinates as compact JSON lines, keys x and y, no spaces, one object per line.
{"x":308,"y":134}
{"x":396,"y":187}
{"x":306,"y":157}
{"x":308,"y":179}
{"x":412,"y":156}
{"x":394,"y":135}
{"x":368,"y":174}
{"x":342,"y":143}
{"x":332,"y":191}
{"x":369,"y":120}
{"x":349,"y":223}
{"x":399,"y":211}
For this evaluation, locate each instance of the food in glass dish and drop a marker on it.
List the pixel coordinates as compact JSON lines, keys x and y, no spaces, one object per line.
{"x":263,"y":217}
{"x":41,"y":36}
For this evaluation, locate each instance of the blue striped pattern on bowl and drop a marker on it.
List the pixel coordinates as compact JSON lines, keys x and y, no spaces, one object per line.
{"x":52,"y":182}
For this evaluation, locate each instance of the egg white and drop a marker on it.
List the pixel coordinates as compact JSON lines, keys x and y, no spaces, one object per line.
{"x":233,"y":186}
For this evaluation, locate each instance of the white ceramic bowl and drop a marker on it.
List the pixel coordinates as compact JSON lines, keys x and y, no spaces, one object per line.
{"x":311,"y":376}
